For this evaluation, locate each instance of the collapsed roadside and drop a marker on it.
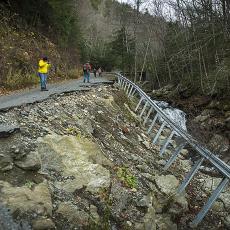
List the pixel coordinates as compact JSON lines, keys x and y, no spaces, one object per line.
{"x":83,"y":160}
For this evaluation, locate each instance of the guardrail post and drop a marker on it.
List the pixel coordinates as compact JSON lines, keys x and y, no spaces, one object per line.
{"x":166,"y":143}
{"x":159,"y":132}
{"x":127,"y":91}
{"x":139,"y":103}
{"x":147,"y":116}
{"x":134,"y":91}
{"x":153,"y":123}
{"x":122,"y":83}
{"x":174,"y":156}
{"x":143,"y":110}
{"x":223,"y":168}
{"x":126,"y":83}
{"x":127,"y":88}
{"x":190,"y":175}
{"x":210,"y":202}
{"x":130,"y":91}
{"x":118,"y":80}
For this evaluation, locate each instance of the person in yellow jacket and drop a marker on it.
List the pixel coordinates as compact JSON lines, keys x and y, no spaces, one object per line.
{"x":43,"y":67}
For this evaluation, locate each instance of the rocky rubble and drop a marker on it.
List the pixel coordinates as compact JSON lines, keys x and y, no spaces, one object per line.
{"x":208,"y":119}
{"x":83,"y":161}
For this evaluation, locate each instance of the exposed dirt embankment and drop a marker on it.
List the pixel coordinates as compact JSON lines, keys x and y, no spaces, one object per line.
{"x":21,"y":47}
{"x":83,"y":161}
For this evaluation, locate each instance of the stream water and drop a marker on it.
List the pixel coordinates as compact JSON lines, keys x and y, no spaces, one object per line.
{"x":176,"y":115}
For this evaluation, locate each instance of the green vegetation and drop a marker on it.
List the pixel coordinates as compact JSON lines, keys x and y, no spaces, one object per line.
{"x":127,"y":178}
{"x":117,"y":53}
{"x":122,"y":49}
{"x":191,"y":50}
{"x":32,"y":29}
{"x":198,"y":60}
{"x":55,"y":18}
{"x":29,"y":184}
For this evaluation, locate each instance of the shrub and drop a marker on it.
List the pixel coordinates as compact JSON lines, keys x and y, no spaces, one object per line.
{"x":127,"y":178}
{"x":18,"y":79}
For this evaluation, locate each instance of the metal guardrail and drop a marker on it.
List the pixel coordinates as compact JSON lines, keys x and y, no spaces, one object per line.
{"x":131,"y":89}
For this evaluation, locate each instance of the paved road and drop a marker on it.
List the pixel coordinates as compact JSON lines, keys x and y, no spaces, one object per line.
{"x":35,"y":95}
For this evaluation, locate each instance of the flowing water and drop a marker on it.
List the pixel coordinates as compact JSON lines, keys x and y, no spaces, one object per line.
{"x":176,"y":115}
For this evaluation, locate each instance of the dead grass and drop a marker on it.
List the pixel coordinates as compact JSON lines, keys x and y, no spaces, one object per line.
{"x":17,"y":80}
{"x":21,"y":48}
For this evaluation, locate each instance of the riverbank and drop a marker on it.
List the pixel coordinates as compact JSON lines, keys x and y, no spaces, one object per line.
{"x":208,"y":118}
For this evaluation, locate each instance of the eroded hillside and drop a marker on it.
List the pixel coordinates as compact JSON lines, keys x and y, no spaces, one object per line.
{"x":22,"y":44}
{"x":83,"y":161}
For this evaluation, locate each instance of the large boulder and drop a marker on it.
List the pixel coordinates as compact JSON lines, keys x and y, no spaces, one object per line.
{"x":86,"y":125}
{"x":165,"y":222}
{"x":179,"y":205}
{"x":148,"y":222}
{"x":6,"y":163}
{"x":210,"y":184}
{"x":23,"y":199}
{"x":7,"y":222}
{"x":31,"y":162}
{"x":78,"y":159}
{"x":43,"y":224}
{"x":219,"y":144}
{"x":73,"y":214}
{"x":167,"y":184}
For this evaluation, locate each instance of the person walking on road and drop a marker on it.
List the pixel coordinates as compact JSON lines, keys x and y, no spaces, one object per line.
{"x":95,"y":72}
{"x":99,"y":71}
{"x":43,"y":67}
{"x":86,"y":71}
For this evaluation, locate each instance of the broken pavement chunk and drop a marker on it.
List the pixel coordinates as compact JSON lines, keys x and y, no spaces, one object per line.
{"x":7,"y":130}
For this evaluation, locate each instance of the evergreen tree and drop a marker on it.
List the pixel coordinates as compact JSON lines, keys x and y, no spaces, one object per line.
{"x":122,"y":48}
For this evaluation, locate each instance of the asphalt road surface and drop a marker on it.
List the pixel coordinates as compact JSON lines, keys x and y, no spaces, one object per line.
{"x":35,"y":95}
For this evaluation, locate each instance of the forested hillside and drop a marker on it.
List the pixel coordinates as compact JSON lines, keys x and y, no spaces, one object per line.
{"x":115,"y":36}
{"x":186,"y":46}
{"x":32,"y":29}
{"x":99,"y":153}
{"x":69,"y":33}
{"x":197,"y":46}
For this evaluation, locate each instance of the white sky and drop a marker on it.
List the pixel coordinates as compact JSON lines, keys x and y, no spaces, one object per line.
{"x":163,"y":9}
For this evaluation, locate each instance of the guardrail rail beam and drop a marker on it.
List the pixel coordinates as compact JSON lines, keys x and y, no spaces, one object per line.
{"x":204,"y":153}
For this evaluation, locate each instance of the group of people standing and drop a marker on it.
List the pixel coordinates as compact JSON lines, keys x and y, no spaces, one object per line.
{"x":44,"y":65}
{"x":87,"y":68}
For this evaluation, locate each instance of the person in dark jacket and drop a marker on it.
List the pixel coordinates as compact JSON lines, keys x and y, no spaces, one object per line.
{"x":95,"y":72}
{"x":86,"y":71}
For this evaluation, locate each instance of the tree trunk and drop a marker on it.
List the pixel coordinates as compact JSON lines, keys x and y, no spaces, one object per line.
{"x":146,"y":52}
